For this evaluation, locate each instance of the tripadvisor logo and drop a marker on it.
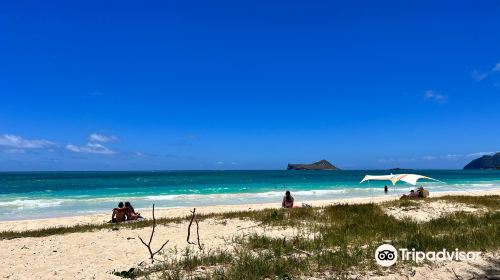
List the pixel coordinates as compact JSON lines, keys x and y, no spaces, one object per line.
{"x":387,"y":255}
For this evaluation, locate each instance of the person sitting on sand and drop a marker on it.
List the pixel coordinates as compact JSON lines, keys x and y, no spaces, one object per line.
{"x":287,"y":200}
{"x":119,"y":214}
{"x":423,"y":193}
{"x":131,"y":214}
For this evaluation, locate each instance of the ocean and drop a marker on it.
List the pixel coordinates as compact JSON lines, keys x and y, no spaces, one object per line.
{"x":28,"y":195}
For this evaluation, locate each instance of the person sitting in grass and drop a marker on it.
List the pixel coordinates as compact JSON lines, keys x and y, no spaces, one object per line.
{"x":119,"y":214}
{"x":287,"y":200}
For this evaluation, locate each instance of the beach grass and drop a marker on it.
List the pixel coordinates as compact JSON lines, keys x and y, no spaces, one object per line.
{"x":43,"y":232}
{"x":275,"y":217}
{"x":330,"y":242}
{"x":336,"y":240}
{"x":492,"y":202}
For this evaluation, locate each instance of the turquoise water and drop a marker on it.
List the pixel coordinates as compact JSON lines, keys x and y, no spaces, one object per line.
{"x":26,"y":195}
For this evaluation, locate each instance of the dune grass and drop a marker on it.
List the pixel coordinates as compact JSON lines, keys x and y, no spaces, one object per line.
{"x":331,"y":241}
{"x":43,"y":232}
{"x":266,"y":217}
{"x":492,"y":202}
{"x":336,"y":240}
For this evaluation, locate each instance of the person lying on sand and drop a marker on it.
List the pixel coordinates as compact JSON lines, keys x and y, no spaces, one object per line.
{"x":130,"y":212}
{"x":287,"y":200}
{"x":420,"y":193}
{"x":412,"y":195}
{"x":119,"y":214}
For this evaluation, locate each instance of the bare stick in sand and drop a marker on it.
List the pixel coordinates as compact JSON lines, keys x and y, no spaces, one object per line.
{"x":198,"y":234}
{"x":189,"y":227}
{"x":302,"y":251}
{"x":193,"y":218}
{"x":148,"y":245}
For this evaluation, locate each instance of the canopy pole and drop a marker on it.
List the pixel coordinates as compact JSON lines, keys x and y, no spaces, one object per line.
{"x":371,"y":190}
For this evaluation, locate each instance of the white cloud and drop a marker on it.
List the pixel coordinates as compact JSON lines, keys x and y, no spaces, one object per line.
{"x":407,"y":159}
{"x":389,"y":160}
{"x":220,"y":163}
{"x":90,"y":148}
{"x":18,"y":142}
{"x":496,"y":68}
{"x":140,"y":154}
{"x":479,"y":154}
{"x":95,"y":145}
{"x":435,"y":96}
{"x":478,"y":75}
{"x":95,"y":137}
{"x":452,"y":156}
{"x":15,"y":151}
{"x":426,"y":158}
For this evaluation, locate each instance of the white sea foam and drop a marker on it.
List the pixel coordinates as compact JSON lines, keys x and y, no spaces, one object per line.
{"x":320,"y":192}
{"x":239,"y":196}
{"x":31,"y":203}
{"x":164,"y":197}
{"x":175,"y":200}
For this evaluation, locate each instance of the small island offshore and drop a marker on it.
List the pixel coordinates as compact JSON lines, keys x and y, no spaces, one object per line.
{"x":320,"y":165}
{"x":485,"y":162}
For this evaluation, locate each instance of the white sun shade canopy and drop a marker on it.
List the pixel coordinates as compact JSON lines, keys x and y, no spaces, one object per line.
{"x":394,"y":178}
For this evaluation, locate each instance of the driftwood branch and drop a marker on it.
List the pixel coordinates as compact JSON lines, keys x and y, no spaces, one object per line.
{"x":243,"y":228}
{"x":302,"y":251}
{"x":193,"y":218}
{"x":198,"y":234}
{"x":148,"y":245}
{"x":189,"y":227}
{"x":456,"y":276}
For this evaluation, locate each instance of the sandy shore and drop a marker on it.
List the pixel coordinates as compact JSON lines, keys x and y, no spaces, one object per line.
{"x":21,"y":225}
{"x":94,"y":255}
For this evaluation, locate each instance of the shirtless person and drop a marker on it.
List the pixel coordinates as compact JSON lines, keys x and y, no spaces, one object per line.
{"x":119,"y":214}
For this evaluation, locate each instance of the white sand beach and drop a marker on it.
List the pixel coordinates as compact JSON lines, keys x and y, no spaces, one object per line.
{"x":94,"y":255}
{"x":21,"y":225}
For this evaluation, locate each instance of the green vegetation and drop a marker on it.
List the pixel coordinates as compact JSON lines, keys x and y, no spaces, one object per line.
{"x":331,"y":241}
{"x":406,"y":203}
{"x":85,"y":228}
{"x":492,"y":202}
{"x":342,"y":238}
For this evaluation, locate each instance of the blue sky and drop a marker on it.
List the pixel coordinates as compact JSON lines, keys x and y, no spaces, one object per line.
{"x":120,"y":85}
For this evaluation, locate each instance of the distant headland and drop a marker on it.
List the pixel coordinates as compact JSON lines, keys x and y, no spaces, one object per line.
{"x":320,"y":165}
{"x":399,"y":169}
{"x":485,"y":162}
